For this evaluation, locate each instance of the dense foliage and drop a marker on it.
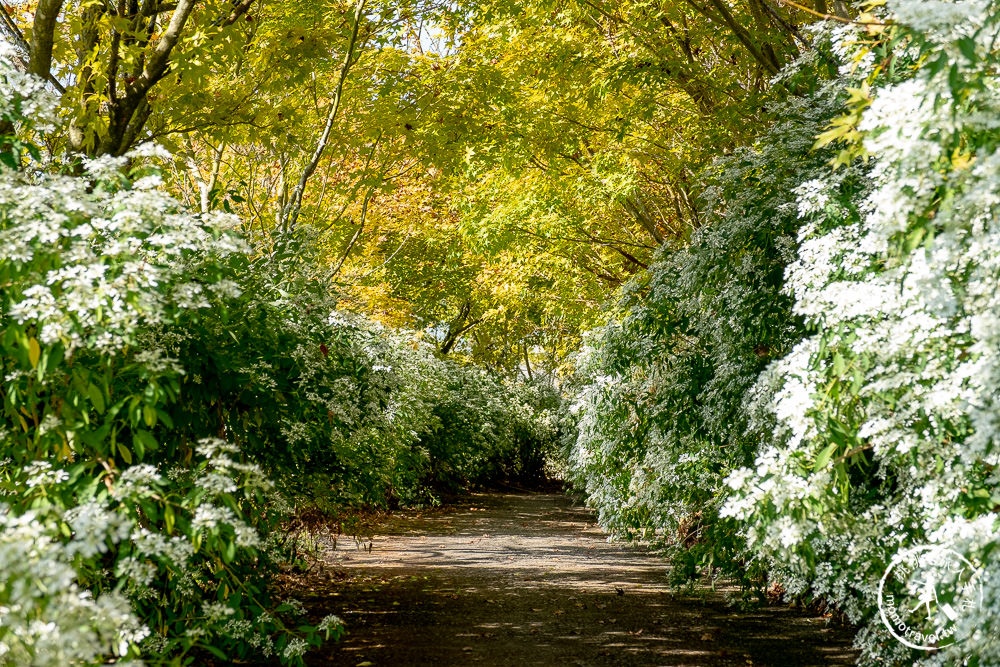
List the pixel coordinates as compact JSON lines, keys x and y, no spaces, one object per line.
{"x":171,"y":394}
{"x":814,"y":423}
{"x":666,"y":382}
{"x":887,"y":412}
{"x":795,"y":383}
{"x":483,"y":171}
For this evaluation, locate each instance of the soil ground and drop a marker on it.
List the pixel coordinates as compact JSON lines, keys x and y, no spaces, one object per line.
{"x":518,"y":579}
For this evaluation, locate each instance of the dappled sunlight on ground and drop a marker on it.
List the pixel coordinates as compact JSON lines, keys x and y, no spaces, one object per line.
{"x":528,"y":579}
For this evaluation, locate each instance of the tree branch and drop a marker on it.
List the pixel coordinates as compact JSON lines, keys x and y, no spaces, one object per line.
{"x":739,"y":31}
{"x":840,"y":17}
{"x":635,"y":207}
{"x":15,"y":32}
{"x":792,"y":30}
{"x":357,"y":234}
{"x":240,"y":7}
{"x":290,"y":212}
{"x":43,"y":29}
{"x":158,"y":61}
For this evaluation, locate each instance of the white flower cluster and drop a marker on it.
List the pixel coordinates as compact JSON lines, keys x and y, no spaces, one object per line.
{"x":662,"y":415}
{"x":24,"y":97}
{"x":45,"y":617}
{"x":100,"y":264}
{"x":905,"y":368}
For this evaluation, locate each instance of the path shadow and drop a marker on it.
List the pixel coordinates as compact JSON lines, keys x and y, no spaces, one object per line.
{"x":529,"y":579}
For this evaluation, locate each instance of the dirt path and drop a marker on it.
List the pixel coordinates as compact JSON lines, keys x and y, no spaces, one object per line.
{"x":528,"y":579}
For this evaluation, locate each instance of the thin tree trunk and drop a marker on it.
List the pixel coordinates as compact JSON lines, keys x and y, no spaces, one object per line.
{"x":282,"y":191}
{"x":130,"y":112}
{"x":213,"y":180}
{"x":205,"y":186}
{"x":739,"y":31}
{"x":638,"y":211}
{"x":290,"y":212}
{"x":357,"y":233}
{"x":43,"y":29}
{"x":458,"y":327}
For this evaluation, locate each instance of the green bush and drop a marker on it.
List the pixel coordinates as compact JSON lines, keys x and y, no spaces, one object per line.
{"x":808,"y":390}
{"x":161,"y":381}
{"x":663,"y":389}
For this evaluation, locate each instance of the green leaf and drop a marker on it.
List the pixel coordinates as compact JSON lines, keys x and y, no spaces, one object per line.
{"x":914,"y":238}
{"x":955,"y":82}
{"x":169,"y":517}
{"x":34,"y":352}
{"x":96,"y":397}
{"x":967,"y":45}
{"x":824,"y":456}
{"x":8,"y":158}
{"x":142,"y":441}
{"x":839,"y":365}
{"x":165,"y":418}
{"x":149,"y":415}
{"x":229,"y":553}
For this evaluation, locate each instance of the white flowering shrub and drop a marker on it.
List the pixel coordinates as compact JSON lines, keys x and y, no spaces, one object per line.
{"x":47,"y":618}
{"x":341,"y":410}
{"x":661,"y":415}
{"x":887,"y":415}
{"x":28,"y":106}
{"x":160,"y":380}
{"x":869,"y":425}
{"x":120,"y":537}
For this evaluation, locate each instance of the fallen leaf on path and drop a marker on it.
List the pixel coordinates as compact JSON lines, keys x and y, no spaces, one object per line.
{"x":707,"y":637}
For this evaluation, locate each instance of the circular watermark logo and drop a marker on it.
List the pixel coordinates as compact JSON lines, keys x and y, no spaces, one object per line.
{"x":923,"y":594}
